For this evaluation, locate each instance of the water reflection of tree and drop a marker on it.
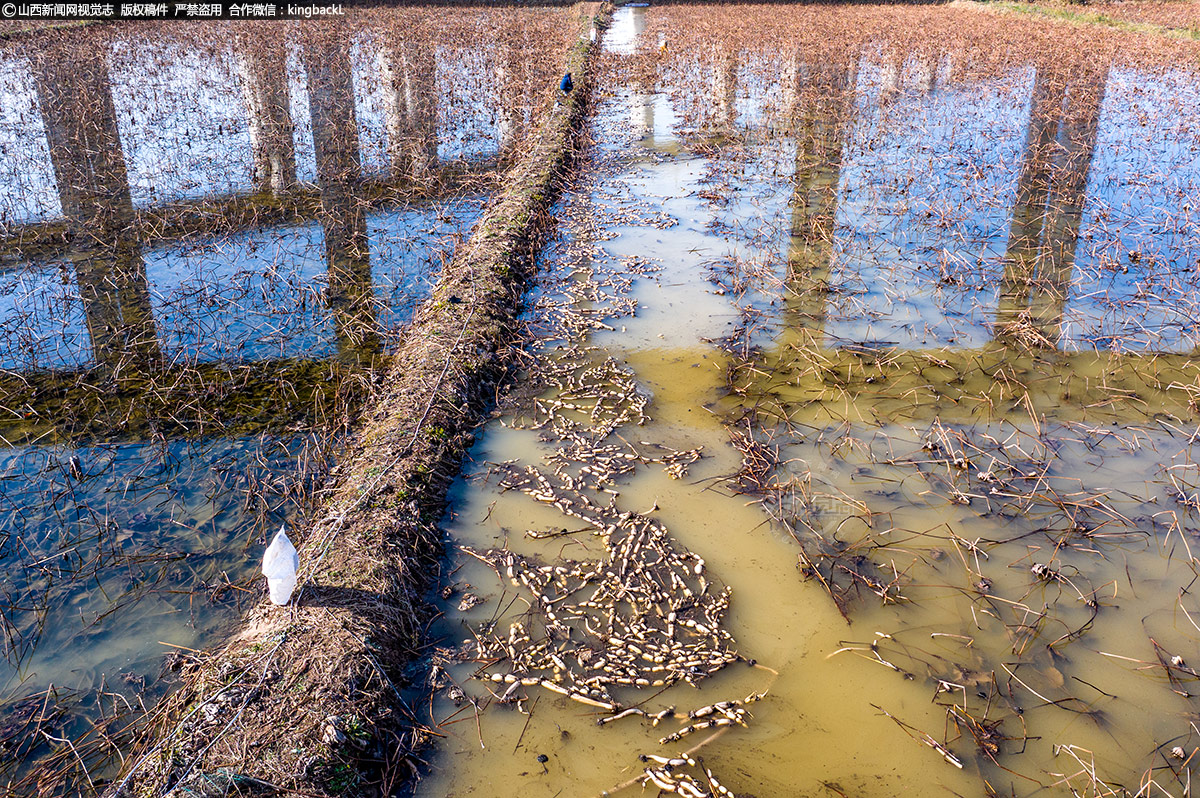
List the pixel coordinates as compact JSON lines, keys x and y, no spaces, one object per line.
{"x":1064,"y":119}
{"x":76,"y":103}
{"x":1066,"y":103}
{"x":339,"y":173}
{"x":75,"y":98}
{"x":262,"y":62}
{"x":823,"y":112}
{"x":1051,"y":195}
{"x":408,"y":69}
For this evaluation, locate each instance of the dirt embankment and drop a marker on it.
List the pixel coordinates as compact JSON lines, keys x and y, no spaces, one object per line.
{"x":305,"y":699}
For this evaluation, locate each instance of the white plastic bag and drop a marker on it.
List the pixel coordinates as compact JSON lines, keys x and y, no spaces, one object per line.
{"x":279,"y":566}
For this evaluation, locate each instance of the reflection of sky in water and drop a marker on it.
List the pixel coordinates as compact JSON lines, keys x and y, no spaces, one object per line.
{"x":652,"y":115}
{"x":369,"y":106}
{"x":302,"y":138}
{"x":184,"y":124}
{"x":927,"y":182}
{"x":41,"y":320}
{"x":622,"y":32}
{"x":184,"y":127}
{"x":926,"y":191}
{"x":27,"y":189}
{"x":266,"y":298}
{"x":926,"y":188}
{"x":250,"y":295}
{"x":469,"y":119}
{"x":142,"y":524}
{"x":1143,"y":193}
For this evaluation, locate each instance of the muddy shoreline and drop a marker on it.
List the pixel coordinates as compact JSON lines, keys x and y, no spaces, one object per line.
{"x":305,"y":699}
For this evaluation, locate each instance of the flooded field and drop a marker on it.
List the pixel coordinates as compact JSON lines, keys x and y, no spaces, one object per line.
{"x":855,"y":454}
{"x":854,"y":448}
{"x":211,"y":237}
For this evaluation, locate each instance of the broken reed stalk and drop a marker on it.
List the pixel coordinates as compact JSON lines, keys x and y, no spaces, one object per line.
{"x":304,"y":697}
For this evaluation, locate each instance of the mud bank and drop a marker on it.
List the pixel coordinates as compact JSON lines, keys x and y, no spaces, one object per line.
{"x":305,"y":699}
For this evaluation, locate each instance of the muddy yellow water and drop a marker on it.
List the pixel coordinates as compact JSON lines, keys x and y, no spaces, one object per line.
{"x":787,"y":625}
{"x":916,"y":294}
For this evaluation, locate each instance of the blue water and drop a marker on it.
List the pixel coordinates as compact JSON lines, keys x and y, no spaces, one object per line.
{"x":245,"y":296}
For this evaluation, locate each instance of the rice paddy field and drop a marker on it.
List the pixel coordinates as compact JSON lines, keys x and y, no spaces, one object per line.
{"x":853,"y":450}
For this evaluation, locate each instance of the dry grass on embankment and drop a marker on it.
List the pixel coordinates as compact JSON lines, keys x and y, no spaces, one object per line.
{"x":303,"y":700}
{"x":1174,"y":19}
